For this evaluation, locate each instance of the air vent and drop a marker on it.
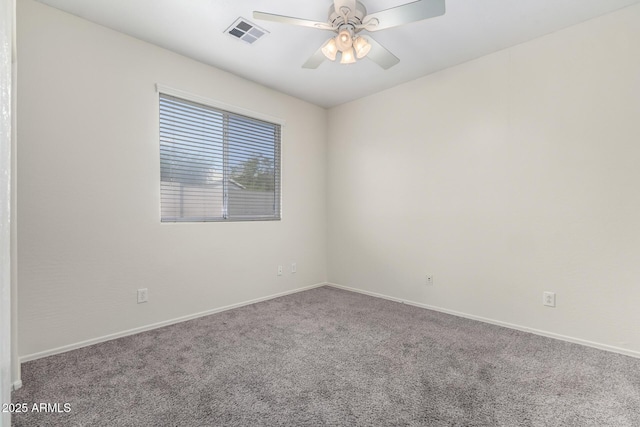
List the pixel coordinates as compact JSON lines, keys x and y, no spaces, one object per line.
{"x":246,"y":31}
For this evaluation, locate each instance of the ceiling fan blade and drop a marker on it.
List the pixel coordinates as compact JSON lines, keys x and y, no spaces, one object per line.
{"x":293,"y":21}
{"x":315,"y":60}
{"x":404,"y":14}
{"x":380,"y":55}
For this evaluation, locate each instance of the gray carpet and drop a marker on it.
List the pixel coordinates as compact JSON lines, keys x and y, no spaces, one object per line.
{"x":331,"y":357}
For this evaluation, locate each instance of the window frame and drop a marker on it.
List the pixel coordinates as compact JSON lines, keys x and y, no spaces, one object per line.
{"x":231,"y":109}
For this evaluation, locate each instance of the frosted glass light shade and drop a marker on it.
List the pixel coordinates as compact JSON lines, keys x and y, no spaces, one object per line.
{"x":362,"y":47}
{"x":348,"y":56}
{"x":330,"y":49}
{"x":344,"y":40}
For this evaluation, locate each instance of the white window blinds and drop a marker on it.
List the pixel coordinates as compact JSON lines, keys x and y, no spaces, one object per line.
{"x":216,"y":165}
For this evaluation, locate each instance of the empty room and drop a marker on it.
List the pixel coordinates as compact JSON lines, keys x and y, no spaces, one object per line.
{"x":307,"y":213}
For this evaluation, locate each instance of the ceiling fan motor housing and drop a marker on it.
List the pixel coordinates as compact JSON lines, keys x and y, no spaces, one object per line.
{"x":353,"y":17}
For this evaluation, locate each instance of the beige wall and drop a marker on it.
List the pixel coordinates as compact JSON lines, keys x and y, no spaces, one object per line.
{"x":504,"y":177}
{"x":89,"y":186}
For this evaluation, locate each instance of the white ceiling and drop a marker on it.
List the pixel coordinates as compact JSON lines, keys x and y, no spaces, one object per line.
{"x":468,"y":30}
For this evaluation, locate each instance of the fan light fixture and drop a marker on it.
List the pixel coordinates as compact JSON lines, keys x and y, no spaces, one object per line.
{"x":330,"y":49}
{"x":347,"y":56}
{"x":344,"y":40}
{"x":362,"y":47}
{"x":350,"y":46}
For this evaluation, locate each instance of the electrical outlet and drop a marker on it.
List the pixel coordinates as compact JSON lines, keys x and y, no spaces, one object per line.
{"x":429,"y":281}
{"x":294,"y":268}
{"x":143,"y":295}
{"x":549,"y":299}
{"x":279,"y":270}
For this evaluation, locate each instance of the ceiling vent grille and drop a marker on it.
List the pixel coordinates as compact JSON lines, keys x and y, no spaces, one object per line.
{"x":246,"y":31}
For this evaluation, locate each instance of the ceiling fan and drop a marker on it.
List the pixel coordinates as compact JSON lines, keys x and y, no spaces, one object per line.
{"x":347,"y":18}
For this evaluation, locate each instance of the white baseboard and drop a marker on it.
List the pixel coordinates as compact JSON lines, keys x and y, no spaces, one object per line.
{"x":16,"y":385}
{"x":574,"y":340}
{"x":58,"y":350}
{"x":26,"y":358}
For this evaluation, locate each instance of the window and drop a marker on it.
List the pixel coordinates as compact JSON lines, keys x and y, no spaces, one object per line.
{"x":217,"y":165}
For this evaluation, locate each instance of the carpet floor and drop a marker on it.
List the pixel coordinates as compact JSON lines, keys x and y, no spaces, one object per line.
{"x":332,"y":357}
